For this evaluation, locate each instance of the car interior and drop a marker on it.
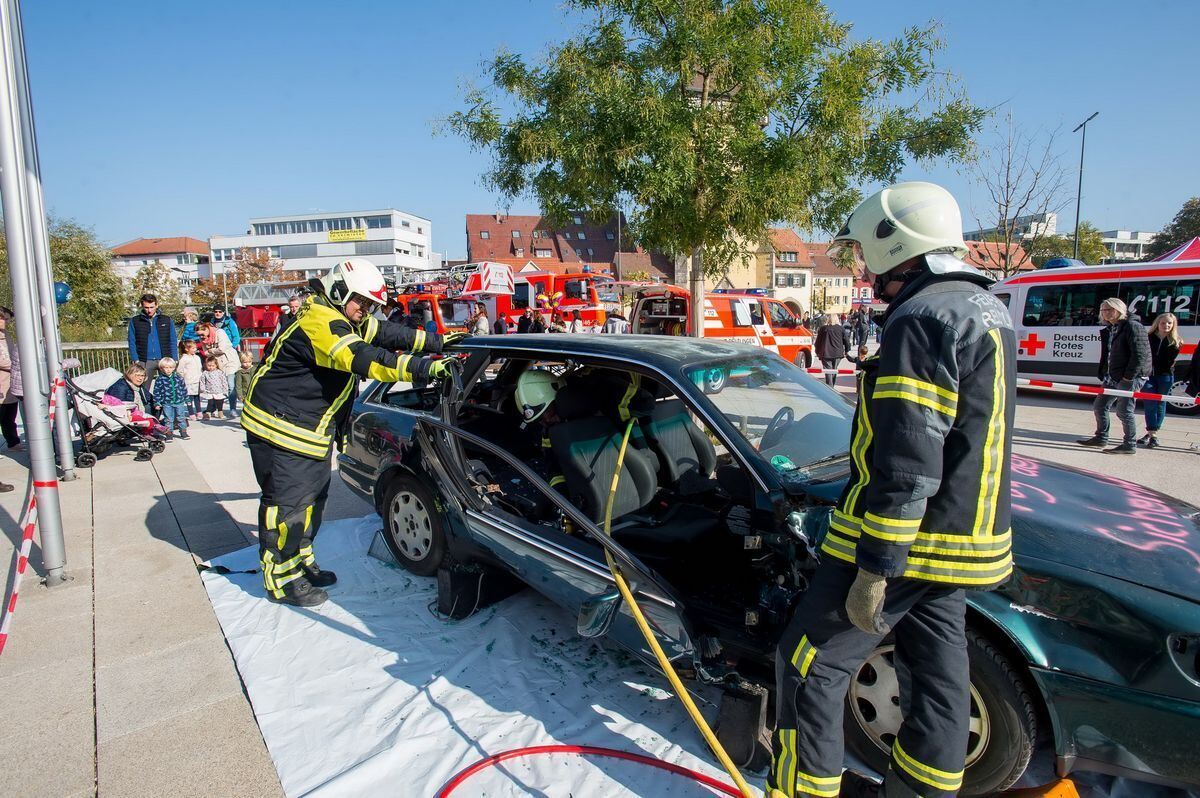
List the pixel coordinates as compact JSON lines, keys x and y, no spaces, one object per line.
{"x":678,"y":495}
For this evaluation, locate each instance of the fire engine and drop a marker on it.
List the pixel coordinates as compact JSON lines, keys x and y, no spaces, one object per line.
{"x":451,"y":295}
{"x":256,"y":311}
{"x":744,"y":318}
{"x":448,"y":296}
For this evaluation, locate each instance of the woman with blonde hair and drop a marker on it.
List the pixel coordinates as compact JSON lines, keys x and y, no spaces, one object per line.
{"x":1164,"y":349}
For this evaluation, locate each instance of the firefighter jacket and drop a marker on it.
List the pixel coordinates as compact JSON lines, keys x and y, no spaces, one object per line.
{"x":300,"y":397}
{"x":928,"y":494}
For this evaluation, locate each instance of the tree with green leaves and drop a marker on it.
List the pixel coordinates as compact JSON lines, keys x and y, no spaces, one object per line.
{"x":78,"y":259}
{"x":1091,"y":246}
{"x":251,"y":266}
{"x":1182,"y":229}
{"x":711,"y":120}
{"x":156,"y":278}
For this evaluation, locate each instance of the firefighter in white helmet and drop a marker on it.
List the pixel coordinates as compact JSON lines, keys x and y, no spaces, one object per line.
{"x":925,"y":512}
{"x":298,"y":406}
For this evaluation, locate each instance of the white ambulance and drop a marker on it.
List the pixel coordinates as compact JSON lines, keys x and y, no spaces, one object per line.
{"x":1056,"y":313}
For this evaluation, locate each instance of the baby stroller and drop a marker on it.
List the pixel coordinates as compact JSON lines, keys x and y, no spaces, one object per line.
{"x":102,"y":427}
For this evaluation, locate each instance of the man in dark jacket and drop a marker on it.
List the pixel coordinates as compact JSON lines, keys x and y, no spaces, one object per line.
{"x":832,"y":344}
{"x":152,"y":336}
{"x":1124,"y":365}
{"x":924,"y":515}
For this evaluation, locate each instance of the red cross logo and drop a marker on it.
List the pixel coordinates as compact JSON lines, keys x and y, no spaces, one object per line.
{"x":1031,"y":344}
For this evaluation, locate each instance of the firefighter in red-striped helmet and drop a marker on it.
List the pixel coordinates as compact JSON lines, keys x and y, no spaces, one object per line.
{"x":292,"y":423}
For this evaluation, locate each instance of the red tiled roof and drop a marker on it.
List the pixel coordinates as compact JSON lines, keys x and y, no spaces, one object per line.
{"x":561,"y":241}
{"x":784,"y":239}
{"x":990,"y":255}
{"x":161,"y":246}
{"x":823,"y":265}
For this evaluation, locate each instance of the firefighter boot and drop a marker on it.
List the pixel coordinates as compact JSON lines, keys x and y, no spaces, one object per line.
{"x":300,"y":593}
{"x":318,"y":577}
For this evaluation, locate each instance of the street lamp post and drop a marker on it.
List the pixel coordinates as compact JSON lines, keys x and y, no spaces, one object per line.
{"x":1079,"y":194}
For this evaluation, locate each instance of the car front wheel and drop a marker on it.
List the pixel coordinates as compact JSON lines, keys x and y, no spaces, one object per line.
{"x":413,"y":526}
{"x":1002,"y":726}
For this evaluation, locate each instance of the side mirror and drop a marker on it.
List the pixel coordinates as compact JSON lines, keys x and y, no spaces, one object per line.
{"x":597,"y":614}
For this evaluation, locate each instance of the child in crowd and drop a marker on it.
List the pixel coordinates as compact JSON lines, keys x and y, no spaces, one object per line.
{"x":190,"y":368}
{"x":214,"y":387}
{"x":129,"y":400}
{"x":863,"y":354}
{"x":170,"y":394}
{"x":243,"y":376}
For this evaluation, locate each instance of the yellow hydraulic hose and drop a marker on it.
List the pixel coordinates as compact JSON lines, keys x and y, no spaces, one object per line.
{"x":648,"y":633}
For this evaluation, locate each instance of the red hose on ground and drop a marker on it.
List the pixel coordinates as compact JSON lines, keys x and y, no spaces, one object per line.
{"x":612,"y":753}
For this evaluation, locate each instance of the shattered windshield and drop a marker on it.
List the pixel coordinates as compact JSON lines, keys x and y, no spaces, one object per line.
{"x":791,"y":419}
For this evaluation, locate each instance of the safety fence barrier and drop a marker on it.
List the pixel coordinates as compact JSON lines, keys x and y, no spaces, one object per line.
{"x":98,"y":355}
{"x":28,"y":523}
{"x":1064,"y":387}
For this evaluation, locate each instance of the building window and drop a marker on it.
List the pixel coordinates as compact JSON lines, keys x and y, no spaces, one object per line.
{"x":780,"y":280}
{"x":380,"y":222}
{"x":609,"y":235}
{"x":590,"y":253}
{"x":516,"y":233}
{"x":298,"y":251}
{"x":520,"y":252}
{"x":404,"y":223}
{"x":484,"y":234}
{"x":374,"y":247}
{"x":582,"y":235}
{"x":420,"y":230}
{"x":578,"y":220}
{"x":787,"y":257}
{"x":541,"y":253}
{"x":578,"y":254}
{"x":801,"y":280}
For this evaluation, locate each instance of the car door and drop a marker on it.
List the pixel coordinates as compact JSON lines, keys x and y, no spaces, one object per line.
{"x":569,"y":570}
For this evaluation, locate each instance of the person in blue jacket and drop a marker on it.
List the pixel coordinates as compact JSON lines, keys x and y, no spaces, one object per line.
{"x":152,"y":336}
{"x":225,"y":322}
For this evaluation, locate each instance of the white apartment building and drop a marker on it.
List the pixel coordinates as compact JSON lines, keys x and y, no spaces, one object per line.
{"x":310,"y":244}
{"x":1034,"y":225}
{"x":187,"y":259}
{"x":1126,"y":245}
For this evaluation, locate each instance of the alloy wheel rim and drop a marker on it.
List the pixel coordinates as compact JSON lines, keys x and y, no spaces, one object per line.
{"x":410,"y":525}
{"x":875,"y":704}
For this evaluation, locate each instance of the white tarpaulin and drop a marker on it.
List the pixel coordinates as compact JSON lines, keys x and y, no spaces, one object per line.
{"x":371,"y":694}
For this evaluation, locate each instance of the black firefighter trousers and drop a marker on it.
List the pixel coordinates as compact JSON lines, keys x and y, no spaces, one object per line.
{"x":821,"y":650}
{"x":294,"y":490}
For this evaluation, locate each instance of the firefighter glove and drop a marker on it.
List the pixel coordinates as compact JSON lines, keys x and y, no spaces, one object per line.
{"x":449,"y":339}
{"x":438,"y":369}
{"x":864,"y":602}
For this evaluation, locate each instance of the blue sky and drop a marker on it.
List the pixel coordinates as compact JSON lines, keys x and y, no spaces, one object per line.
{"x":189,"y":118}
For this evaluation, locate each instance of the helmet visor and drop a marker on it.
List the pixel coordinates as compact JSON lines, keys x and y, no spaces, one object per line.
{"x":367,"y":300}
{"x":848,"y":254}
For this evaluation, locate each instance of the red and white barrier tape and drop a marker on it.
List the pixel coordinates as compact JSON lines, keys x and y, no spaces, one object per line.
{"x":1064,"y":387}
{"x":28,"y":523}
{"x":1096,"y":390}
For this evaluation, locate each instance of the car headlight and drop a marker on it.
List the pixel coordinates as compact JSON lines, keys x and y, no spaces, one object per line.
{"x":1185,"y":653}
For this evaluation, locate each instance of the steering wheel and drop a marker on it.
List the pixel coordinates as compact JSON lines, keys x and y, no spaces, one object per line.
{"x":783,"y":418}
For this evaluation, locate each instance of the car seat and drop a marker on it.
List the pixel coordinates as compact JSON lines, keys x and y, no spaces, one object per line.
{"x":587,"y":451}
{"x":686,"y":456}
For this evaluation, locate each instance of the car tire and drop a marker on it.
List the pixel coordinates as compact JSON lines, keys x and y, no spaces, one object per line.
{"x":1002,"y":734}
{"x":1180,"y":389}
{"x":804,"y":359}
{"x":714,"y":380}
{"x":413,"y":527}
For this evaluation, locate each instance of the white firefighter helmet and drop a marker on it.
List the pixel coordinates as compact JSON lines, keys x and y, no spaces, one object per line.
{"x":536,"y":389}
{"x":901,"y":222}
{"x":354,"y":277}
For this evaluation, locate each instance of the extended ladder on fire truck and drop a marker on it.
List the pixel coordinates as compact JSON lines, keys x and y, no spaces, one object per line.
{"x":465,"y":279}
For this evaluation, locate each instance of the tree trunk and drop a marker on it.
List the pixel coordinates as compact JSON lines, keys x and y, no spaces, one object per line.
{"x":696,"y":287}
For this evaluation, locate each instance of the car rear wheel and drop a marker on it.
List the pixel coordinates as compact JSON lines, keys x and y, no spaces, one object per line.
{"x":714,"y":380}
{"x":413,"y":527}
{"x":1002,"y":727}
{"x":1180,"y":389}
{"x":804,"y":359}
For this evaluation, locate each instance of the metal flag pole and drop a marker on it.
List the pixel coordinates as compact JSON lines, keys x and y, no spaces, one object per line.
{"x":41,"y":243}
{"x":1079,"y":194}
{"x":16,"y":228}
